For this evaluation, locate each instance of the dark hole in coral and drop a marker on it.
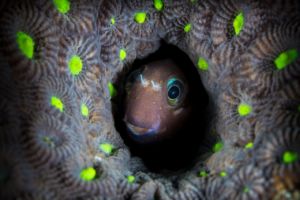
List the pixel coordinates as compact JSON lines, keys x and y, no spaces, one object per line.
{"x":4,"y":119}
{"x":4,"y":174}
{"x":181,"y":150}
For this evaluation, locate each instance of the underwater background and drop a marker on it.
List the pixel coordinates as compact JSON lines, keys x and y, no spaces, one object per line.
{"x":60,"y":61}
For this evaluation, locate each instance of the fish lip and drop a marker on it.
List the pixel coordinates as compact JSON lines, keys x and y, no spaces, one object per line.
{"x":140,"y":131}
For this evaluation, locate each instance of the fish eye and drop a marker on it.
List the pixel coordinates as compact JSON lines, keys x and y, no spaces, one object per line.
{"x":175,"y":91}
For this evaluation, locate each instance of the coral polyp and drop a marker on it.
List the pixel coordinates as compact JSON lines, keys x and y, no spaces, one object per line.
{"x":79,"y":61}
{"x":50,"y":141}
{"x":30,"y":39}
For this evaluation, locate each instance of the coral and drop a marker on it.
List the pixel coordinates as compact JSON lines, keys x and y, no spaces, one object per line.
{"x":285,"y":112}
{"x":73,"y":180}
{"x":16,"y":174}
{"x":283,"y":9}
{"x":178,"y":31}
{"x":247,"y":183}
{"x":112,"y":22}
{"x":187,"y":190}
{"x":200,"y":42}
{"x":9,"y":123}
{"x":279,"y":152}
{"x":78,"y":59}
{"x":71,"y":16}
{"x":146,"y":191}
{"x":51,"y":95}
{"x":50,"y":141}
{"x":30,"y":39}
{"x":238,"y":115}
{"x":273,"y":59}
{"x":234,"y":26}
{"x":118,"y":54}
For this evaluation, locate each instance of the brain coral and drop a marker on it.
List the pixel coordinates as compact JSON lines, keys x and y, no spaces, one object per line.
{"x":57,"y":134}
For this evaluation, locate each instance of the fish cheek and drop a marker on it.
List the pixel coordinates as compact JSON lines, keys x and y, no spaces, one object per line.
{"x":179,"y":117}
{"x":132,"y":103}
{"x":142,"y":108}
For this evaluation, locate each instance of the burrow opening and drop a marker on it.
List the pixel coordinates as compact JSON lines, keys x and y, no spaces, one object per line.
{"x":180,"y":152}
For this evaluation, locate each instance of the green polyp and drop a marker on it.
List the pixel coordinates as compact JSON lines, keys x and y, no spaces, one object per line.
{"x":122,"y":54}
{"x":286,"y":58}
{"x":223,"y":173}
{"x":187,"y":27}
{"x":249,"y":145}
{"x":218,"y":147}
{"x":202,"y":64}
{"x":289,"y":157}
{"x":113,"y":21}
{"x":57,"y":103}
{"x":49,"y":141}
{"x":158,"y":5}
{"x":203,"y":173}
{"x":75,"y":65}
{"x":246,"y":189}
{"x":107,"y":148}
{"x":63,"y":6}
{"x":130,"y":179}
{"x":84,"y":110}
{"x":26,"y":44}
{"x":140,"y":17}
{"x":112,"y":90}
{"x":88,"y":174}
{"x":238,"y":23}
{"x":244,"y":109}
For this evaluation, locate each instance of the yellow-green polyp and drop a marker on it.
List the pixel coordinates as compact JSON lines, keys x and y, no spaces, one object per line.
{"x":289,"y":157}
{"x":158,"y":4}
{"x":187,"y":27}
{"x":107,"y":148}
{"x":57,"y":103}
{"x":88,"y":174}
{"x":112,"y":90}
{"x":140,"y":17}
{"x":202,"y":64}
{"x":122,"y":54}
{"x":84,"y":110}
{"x":244,"y":109}
{"x":75,"y":65}
{"x":217,"y":147}
{"x":112,"y":21}
{"x":26,"y":44}
{"x":63,"y":6}
{"x":285,"y":58}
{"x":130,"y":179}
{"x":249,"y":145}
{"x":238,"y":23}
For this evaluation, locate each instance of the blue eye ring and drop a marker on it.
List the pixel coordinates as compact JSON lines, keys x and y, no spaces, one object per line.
{"x":175,"y":91}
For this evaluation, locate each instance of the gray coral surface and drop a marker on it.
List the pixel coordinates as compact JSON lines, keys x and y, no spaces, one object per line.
{"x":57,"y":134}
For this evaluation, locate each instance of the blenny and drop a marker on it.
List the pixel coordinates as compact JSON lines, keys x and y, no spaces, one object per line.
{"x":156,"y":103}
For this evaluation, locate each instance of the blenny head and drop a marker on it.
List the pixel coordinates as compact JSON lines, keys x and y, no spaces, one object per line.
{"x":156,"y":104}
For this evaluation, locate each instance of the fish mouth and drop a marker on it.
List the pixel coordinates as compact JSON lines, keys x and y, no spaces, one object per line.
{"x":140,"y":131}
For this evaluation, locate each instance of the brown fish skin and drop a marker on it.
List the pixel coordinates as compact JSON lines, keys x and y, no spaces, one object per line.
{"x":149,"y":116}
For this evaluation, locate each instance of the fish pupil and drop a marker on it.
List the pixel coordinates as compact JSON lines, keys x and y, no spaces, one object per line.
{"x":173,"y":92}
